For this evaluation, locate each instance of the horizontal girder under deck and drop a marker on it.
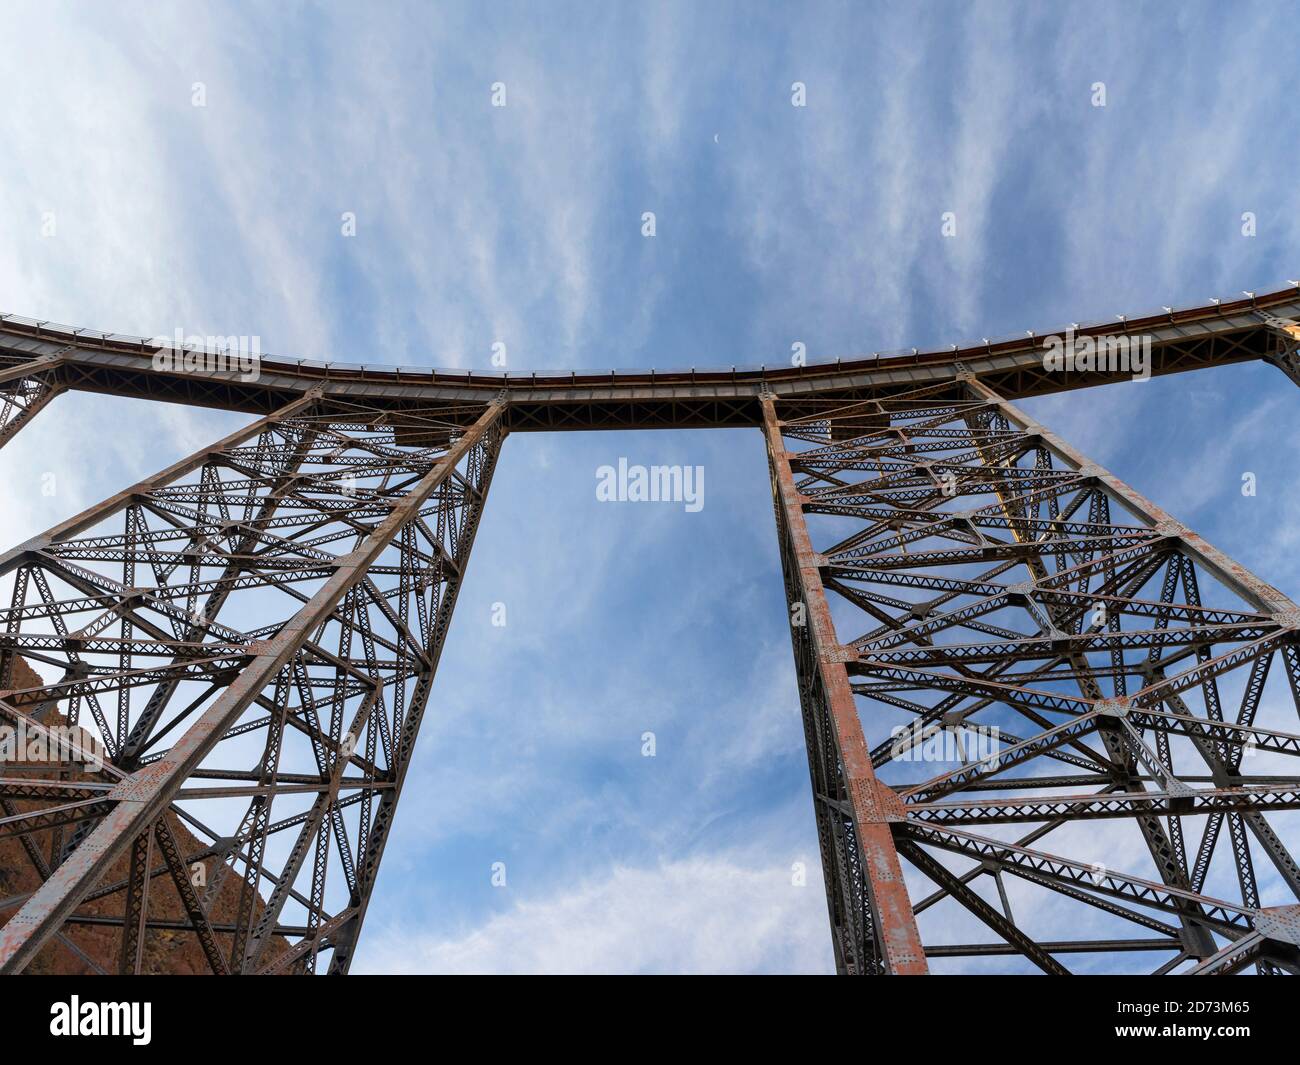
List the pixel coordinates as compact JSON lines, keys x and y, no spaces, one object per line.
{"x":87,"y":360}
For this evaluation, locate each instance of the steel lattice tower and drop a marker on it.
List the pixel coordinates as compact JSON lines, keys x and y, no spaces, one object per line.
{"x":253,"y":633}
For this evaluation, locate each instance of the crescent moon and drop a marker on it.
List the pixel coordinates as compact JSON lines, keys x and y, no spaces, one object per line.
{"x":715,"y":138}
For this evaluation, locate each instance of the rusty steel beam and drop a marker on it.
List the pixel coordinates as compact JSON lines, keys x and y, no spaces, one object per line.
{"x":859,"y":858}
{"x":137,"y":905}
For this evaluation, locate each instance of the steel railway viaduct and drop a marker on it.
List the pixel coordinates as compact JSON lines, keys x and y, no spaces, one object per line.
{"x":250,"y":637}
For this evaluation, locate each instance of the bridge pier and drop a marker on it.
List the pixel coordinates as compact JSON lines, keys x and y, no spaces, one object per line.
{"x":995,"y":582}
{"x":318,"y":517}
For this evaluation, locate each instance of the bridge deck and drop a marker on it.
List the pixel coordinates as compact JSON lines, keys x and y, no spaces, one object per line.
{"x":1211,"y":335}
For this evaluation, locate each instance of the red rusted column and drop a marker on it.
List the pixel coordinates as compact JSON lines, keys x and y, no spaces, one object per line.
{"x":875,"y":806}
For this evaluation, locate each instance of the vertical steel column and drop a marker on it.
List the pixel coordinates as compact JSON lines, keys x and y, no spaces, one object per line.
{"x":873,"y":926}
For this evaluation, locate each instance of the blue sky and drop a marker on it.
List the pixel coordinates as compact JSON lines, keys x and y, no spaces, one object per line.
{"x":522,"y":224}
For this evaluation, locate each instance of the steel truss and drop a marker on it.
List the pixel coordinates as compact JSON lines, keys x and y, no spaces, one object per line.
{"x":1000,"y":589}
{"x":253,"y":633}
{"x":27,"y":385}
{"x":258,"y":626}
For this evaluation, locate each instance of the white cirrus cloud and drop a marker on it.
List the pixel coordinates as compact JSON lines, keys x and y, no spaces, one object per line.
{"x":697,"y":915}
